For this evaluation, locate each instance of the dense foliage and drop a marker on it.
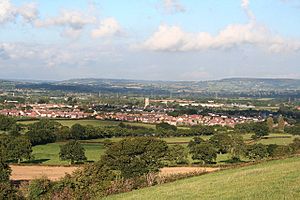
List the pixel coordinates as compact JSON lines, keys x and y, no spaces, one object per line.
{"x":136,"y":156}
{"x":72,"y":151}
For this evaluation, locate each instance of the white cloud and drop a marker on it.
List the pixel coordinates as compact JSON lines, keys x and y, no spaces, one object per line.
{"x":73,"y":22}
{"x":29,"y":12}
{"x":173,"y":38}
{"x":173,"y":6}
{"x":9,"y":12}
{"x":245,"y":5}
{"x":72,"y":19}
{"x":107,"y":28}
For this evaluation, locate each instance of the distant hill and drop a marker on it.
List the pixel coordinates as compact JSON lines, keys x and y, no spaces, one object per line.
{"x":257,"y":87}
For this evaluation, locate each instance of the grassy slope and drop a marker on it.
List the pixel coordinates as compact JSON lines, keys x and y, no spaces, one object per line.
{"x":270,"y":180}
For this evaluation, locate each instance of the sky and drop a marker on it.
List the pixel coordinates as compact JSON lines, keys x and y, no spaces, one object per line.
{"x":149,"y":39}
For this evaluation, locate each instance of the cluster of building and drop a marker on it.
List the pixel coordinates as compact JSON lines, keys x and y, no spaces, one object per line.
{"x":184,"y":120}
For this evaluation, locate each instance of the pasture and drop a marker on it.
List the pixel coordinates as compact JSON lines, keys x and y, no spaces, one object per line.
{"x":48,"y":154}
{"x":272,"y":180}
{"x":95,"y":122}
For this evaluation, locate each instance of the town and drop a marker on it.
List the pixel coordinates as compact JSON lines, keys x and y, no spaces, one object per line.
{"x":57,"y":111}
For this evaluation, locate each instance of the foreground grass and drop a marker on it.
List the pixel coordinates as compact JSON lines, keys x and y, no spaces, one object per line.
{"x":270,"y":180}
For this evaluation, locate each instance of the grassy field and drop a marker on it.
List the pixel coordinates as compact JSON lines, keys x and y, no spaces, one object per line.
{"x":94,"y":122}
{"x":82,"y":122}
{"x":48,"y":154}
{"x":270,"y":180}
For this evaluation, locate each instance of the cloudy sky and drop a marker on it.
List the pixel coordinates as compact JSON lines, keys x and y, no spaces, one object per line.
{"x":149,"y":39}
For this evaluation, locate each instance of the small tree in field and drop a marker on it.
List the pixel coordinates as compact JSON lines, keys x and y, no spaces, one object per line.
{"x":281,"y":124}
{"x":260,"y":129}
{"x":204,"y":152}
{"x":72,"y":151}
{"x":270,"y":123}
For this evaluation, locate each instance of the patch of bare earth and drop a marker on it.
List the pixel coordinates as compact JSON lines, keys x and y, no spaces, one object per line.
{"x":184,"y":170}
{"x":32,"y":172}
{"x":54,"y":173}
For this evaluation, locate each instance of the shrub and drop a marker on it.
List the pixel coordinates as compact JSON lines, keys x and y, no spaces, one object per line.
{"x":257,"y":151}
{"x":38,"y":188}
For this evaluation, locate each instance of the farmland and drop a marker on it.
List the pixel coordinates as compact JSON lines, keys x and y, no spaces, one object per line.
{"x":92,"y":122}
{"x":48,"y":154}
{"x":269,"y":180}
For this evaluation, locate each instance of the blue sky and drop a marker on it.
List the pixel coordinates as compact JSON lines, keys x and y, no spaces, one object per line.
{"x":153,"y":39}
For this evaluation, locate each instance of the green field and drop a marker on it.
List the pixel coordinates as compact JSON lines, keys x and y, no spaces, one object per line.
{"x":94,"y":122}
{"x":269,"y":180}
{"x":82,"y":122}
{"x":48,"y":154}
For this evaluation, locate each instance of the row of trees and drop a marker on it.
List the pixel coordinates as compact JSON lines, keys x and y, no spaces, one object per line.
{"x":48,"y":131}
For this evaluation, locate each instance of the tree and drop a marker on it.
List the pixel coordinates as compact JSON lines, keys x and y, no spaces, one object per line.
{"x":177,"y":154}
{"x":202,"y":130}
{"x":270,"y":124}
{"x":195,"y":141}
{"x":7,"y":190}
{"x":294,"y":129}
{"x":72,"y":151}
{"x":15,"y":130}
{"x":136,"y":156}
{"x":5,"y":170}
{"x":295,"y":145}
{"x":204,"y":152}
{"x":272,"y":149}
{"x":43,"y":131}
{"x":77,"y":132}
{"x":281,"y":124}
{"x":260,"y":129}
{"x":221,"y":141}
{"x":19,"y":148}
{"x":166,"y":126}
{"x":257,"y":151}
{"x":237,"y":147}
{"x":90,"y":181}
{"x":6,"y":123}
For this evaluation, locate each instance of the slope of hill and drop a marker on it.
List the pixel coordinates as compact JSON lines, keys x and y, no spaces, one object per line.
{"x":270,"y":180}
{"x":232,"y":87}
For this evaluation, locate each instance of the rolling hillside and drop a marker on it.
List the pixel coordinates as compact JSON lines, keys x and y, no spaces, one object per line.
{"x":270,"y":180}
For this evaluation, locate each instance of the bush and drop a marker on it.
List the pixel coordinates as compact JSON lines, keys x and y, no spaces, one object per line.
{"x":7,"y":191}
{"x":38,"y":188}
{"x":257,"y":152}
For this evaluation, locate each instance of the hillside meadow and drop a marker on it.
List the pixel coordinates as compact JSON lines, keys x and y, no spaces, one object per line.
{"x":268,"y":180}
